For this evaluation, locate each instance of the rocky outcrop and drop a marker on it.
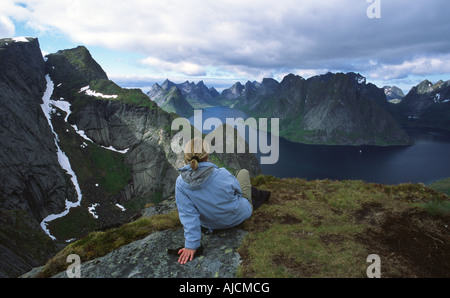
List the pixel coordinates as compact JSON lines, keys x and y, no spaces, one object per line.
{"x":148,"y":258}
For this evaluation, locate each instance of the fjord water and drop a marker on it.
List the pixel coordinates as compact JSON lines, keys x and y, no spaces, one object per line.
{"x":426,"y":161}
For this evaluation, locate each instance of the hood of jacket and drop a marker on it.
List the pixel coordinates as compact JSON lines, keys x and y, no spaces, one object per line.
{"x":199,"y":176}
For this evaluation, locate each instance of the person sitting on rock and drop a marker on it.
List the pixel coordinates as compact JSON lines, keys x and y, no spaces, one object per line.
{"x":208,"y":196}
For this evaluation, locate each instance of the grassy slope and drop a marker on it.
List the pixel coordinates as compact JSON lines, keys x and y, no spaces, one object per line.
{"x":319,"y":228}
{"x":129,"y":96}
{"x":328,"y":228}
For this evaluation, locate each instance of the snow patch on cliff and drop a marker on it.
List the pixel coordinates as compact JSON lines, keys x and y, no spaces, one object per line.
{"x":47,"y":108}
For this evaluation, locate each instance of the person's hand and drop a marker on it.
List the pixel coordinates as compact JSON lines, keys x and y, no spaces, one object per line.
{"x":187,"y":255}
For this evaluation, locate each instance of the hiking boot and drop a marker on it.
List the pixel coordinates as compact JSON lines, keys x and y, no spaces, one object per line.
{"x":259,"y":197}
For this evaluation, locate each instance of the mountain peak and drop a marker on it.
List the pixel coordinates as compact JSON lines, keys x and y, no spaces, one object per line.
{"x":393,"y":93}
{"x":79,"y":62}
{"x":234,"y":91}
{"x":357,"y":77}
{"x":291,"y":78}
{"x":167,"y":84}
{"x":155,"y":91}
{"x":425,"y":87}
{"x":269,"y":85}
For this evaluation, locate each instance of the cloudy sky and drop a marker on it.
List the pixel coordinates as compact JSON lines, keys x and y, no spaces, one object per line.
{"x":223,"y":41}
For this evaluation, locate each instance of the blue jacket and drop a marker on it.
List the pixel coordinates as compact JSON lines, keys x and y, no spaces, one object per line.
{"x":208,"y":197}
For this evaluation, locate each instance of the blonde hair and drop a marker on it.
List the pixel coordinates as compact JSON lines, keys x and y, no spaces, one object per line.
{"x":195,"y":151}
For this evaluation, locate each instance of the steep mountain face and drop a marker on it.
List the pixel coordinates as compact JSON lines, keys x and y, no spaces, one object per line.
{"x":116,"y":142}
{"x":338,"y":109}
{"x":196,"y":95}
{"x":32,"y":183}
{"x":234,"y":91}
{"x":426,"y":105}
{"x":29,"y":165}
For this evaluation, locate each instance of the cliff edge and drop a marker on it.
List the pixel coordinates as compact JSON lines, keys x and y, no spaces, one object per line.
{"x":319,"y":228}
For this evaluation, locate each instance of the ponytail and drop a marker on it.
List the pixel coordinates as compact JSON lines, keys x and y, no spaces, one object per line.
{"x":194,"y":162}
{"x":196,"y":151}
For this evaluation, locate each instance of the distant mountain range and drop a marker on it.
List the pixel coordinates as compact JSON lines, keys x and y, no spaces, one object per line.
{"x":183,"y":98}
{"x":335,"y":108}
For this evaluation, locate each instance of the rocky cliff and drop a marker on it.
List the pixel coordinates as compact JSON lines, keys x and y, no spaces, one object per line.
{"x":32,"y":183}
{"x":336,"y":109}
{"x":86,"y":155}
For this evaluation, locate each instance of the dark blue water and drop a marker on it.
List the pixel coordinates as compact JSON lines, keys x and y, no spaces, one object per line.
{"x":428,"y":160}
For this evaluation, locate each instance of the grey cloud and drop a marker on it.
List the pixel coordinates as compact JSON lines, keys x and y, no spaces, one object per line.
{"x":258,"y":36}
